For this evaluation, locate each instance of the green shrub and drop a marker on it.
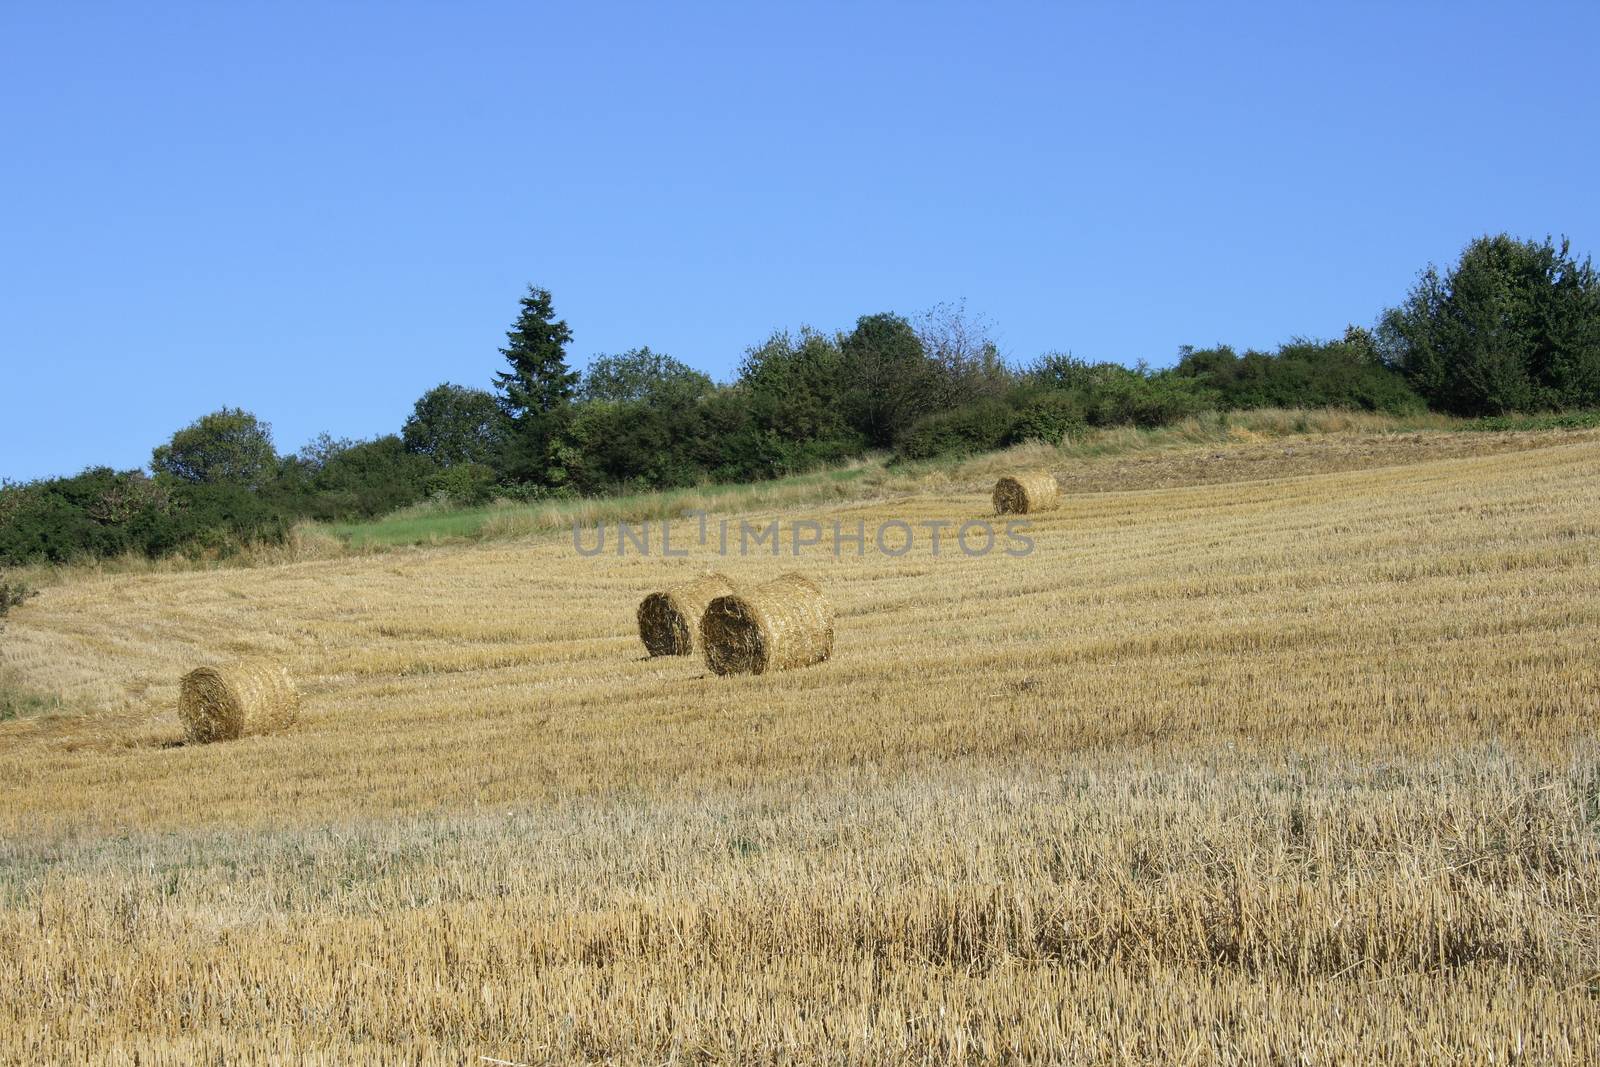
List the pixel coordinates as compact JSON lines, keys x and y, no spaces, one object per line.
{"x":1121,"y":397}
{"x":1048,"y":416}
{"x":464,"y":484}
{"x":215,"y":521}
{"x":367,"y":479}
{"x":98,"y":513}
{"x":979,"y":427}
{"x":1301,"y":374}
{"x":1114,"y":395}
{"x":1565,"y":420}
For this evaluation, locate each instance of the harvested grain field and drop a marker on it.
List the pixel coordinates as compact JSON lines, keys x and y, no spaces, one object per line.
{"x":1285,"y":769}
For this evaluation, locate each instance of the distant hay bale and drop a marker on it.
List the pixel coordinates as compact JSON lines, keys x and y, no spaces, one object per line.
{"x":221,"y":703}
{"x":669,"y":622}
{"x":784,"y":623}
{"x":1026,"y":492}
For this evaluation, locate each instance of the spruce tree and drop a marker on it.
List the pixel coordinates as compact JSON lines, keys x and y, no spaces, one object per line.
{"x":537,"y":389}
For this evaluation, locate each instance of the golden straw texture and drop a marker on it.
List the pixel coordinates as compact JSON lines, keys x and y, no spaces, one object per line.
{"x":785,"y":623}
{"x":1026,"y":492}
{"x":669,"y":621}
{"x":220,"y":703}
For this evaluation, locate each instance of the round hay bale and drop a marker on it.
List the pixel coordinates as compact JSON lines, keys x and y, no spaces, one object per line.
{"x":221,"y":703}
{"x":785,"y":623}
{"x":1026,"y":492}
{"x":669,"y":622}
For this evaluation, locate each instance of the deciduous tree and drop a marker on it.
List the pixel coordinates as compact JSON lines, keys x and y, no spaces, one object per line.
{"x":226,"y":447}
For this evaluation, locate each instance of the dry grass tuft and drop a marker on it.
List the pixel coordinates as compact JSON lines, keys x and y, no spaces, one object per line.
{"x":1026,"y":492}
{"x":785,"y":623}
{"x":669,"y":621}
{"x":222,"y":703}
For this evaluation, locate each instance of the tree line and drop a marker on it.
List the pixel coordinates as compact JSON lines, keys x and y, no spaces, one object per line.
{"x":1513,"y":326}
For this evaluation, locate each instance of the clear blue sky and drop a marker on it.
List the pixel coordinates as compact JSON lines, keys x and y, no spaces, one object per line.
{"x":319,"y":211}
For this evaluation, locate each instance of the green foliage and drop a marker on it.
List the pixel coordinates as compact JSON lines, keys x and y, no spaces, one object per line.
{"x":536,"y":390}
{"x":1565,"y":420}
{"x":968,"y":360}
{"x":453,"y":424}
{"x":1114,"y":395}
{"x":647,"y":421}
{"x":1301,"y":374}
{"x":315,"y":454}
{"x":1514,"y":326}
{"x":536,"y":349}
{"x":890,"y":381}
{"x":102,"y":513}
{"x":796,"y":391}
{"x":611,"y":445}
{"x":1056,"y":397}
{"x":464,"y":485}
{"x":213,"y":521}
{"x":724,"y":442}
{"x":1060,"y":371}
{"x":367,"y":479}
{"x":645,"y":376}
{"x":1048,"y":415}
{"x":977,"y":427}
{"x":226,"y":447}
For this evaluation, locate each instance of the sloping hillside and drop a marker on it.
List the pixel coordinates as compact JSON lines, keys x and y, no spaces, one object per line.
{"x":1296,"y":761}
